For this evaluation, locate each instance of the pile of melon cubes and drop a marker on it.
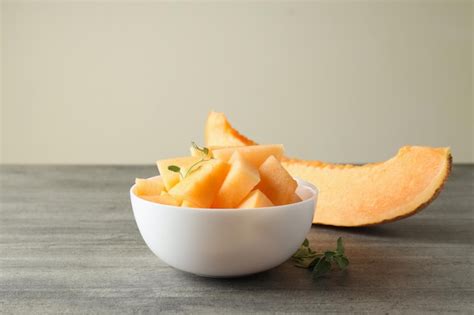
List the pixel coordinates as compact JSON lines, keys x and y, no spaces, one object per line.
{"x":222,"y":177}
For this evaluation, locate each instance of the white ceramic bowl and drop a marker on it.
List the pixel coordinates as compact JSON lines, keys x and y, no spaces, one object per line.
{"x":225,"y":242}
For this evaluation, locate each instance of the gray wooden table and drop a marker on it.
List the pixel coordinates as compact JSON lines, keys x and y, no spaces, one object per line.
{"x":68,"y":243}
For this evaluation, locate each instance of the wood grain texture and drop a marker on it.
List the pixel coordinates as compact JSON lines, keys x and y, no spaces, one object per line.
{"x":69,"y":244}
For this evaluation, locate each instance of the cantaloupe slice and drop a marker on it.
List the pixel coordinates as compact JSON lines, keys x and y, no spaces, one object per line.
{"x":364,"y":195}
{"x":201,"y":186}
{"x":255,"y":199}
{"x":255,"y":155}
{"x":219,"y":132}
{"x":275,"y":182}
{"x":172,"y":178}
{"x":240,"y":180}
{"x":165,"y":199}
{"x":150,"y":186}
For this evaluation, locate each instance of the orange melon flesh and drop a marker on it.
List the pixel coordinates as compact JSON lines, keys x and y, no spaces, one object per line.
{"x":165,"y":199}
{"x":255,"y":155}
{"x":374,"y":193}
{"x":275,"y":182}
{"x":197,"y":153}
{"x":256,"y":199}
{"x":201,"y":186}
{"x":364,"y":195}
{"x":151,"y":186}
{"x":240,"y":180}
{"x":189,"y":204}
{"x":219,"y":132}
{"x":172,"y":178}
{"x":295,"y":198}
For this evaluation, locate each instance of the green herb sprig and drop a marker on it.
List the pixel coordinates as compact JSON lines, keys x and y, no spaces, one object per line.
{"x":204,"y":150}
{"x":205,"y":157}
{"x":320,"y":263}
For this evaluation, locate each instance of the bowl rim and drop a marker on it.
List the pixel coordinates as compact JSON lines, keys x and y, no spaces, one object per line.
{"x":314,"y":191}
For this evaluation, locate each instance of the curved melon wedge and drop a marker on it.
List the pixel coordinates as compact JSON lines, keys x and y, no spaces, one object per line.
{"x":375,"y":193}
{"x":363,"y":195}
{"x":219,"y":130}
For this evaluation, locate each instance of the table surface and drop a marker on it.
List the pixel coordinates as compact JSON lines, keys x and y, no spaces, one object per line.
{"x":69,"y":243}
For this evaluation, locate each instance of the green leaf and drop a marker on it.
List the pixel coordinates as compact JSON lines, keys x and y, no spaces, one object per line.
{"x":198,"y":164}
{"x":329,"y":255}
{"x":319,"y":263}
{"x":304,"y":262}
{"x":314,"y":263}
{"x":321,"y":268}
{"x":342,"y":261}
{"x":303,"y":252}
{"x":174,"y":168}
{"x":304,"y":257}
{"x":340,"y":246}
{"x":202,"y":149}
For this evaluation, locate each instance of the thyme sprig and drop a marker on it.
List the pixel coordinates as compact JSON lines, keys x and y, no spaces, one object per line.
{"x":194,"y":167}
{"x":320,"y":263}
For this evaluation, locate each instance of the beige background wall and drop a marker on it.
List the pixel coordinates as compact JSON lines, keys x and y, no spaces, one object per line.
{"x":118,"y":82}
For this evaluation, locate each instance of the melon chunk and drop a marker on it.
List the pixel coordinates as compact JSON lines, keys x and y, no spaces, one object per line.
{"x":275,"y":182}
{"x":240,"y":180}
{"x":255,"y":155}
{"x":172,"y":178}
{"x":363,"y":195}
{"x":198,"y":153}
{"x":295,"y":198}
{"x":189,"y":204}
{"x":151,"y":186}
{"x":165,"y":199}
{"x":201,"y":186}
{"x":256,"y":199}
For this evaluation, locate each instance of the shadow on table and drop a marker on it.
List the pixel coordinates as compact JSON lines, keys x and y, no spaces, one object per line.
{"x":459,"y":233}
{"x":377,"y":255}
{"x":284,"y":277}
{"x":371,"y":270}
